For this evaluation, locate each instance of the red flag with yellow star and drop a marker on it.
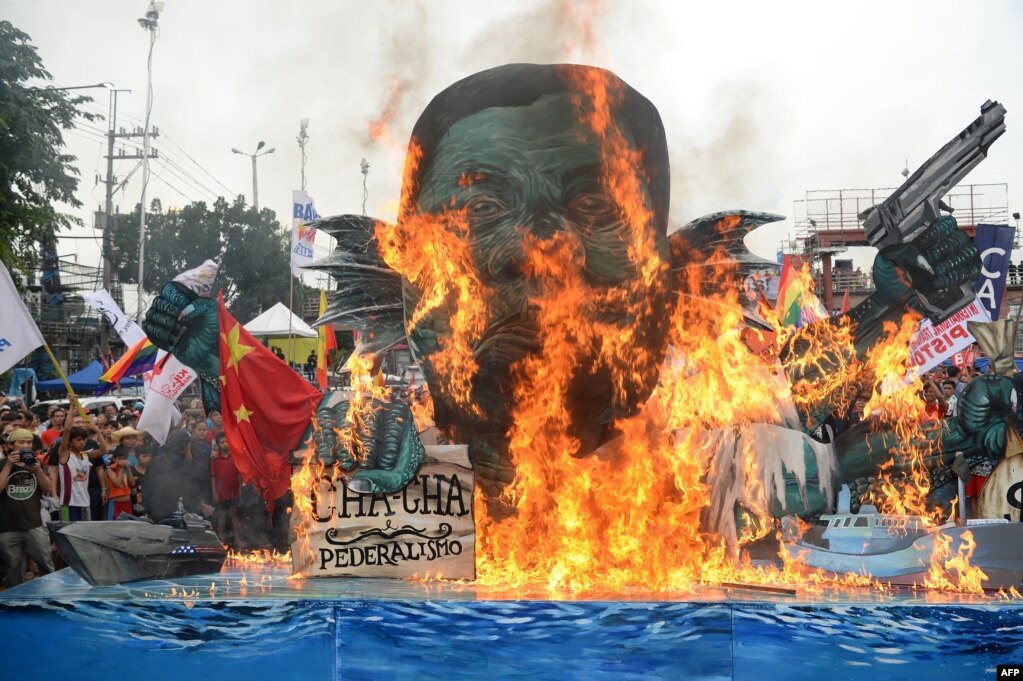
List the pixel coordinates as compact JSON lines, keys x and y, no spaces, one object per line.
{"x":266,"y":408}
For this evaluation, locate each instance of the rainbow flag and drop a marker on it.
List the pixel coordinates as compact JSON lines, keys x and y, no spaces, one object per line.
{"x":139,"y":359}
{"x":797,"y":305}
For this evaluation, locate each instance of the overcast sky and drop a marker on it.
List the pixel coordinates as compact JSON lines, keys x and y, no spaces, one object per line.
{"x":761,"y":101}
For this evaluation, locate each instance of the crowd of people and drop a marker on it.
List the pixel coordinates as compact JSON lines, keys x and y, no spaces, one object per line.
{"x":68,"y":468}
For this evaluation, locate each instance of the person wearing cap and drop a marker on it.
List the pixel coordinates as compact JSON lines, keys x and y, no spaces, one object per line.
{"x":23,"y":482}
{"x":177,"y":474}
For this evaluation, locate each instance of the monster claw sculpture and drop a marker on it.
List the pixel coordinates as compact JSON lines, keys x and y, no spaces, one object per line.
{"x":384,"y":450}
{"x":185,"y":324}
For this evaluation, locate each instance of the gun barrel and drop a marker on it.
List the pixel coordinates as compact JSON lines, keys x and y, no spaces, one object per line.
{"x":903,"y":215}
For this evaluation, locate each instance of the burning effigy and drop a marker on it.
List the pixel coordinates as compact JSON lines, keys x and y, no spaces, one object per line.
{"x":626,"y":418}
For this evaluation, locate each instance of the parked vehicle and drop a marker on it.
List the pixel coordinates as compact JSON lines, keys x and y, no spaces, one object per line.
{"x":93,"y":404}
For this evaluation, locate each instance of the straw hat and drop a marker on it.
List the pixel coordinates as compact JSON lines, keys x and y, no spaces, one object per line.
{"x":118,"y":435}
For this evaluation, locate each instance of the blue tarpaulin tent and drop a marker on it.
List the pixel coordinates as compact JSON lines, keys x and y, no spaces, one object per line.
{"x":86,"y":380}
{"x":982,"y":362}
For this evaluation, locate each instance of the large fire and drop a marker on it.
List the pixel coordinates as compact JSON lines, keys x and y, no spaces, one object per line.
{"x":638,"y":513}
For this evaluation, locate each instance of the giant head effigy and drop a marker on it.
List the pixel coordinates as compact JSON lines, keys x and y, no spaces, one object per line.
{"x":517,"y":162}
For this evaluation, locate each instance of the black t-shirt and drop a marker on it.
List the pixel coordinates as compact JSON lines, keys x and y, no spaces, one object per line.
{"x":20,"y":502}
{"x":136,"y":491}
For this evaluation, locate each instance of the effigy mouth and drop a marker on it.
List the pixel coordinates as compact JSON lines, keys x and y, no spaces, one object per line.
{"x":510,"y":338}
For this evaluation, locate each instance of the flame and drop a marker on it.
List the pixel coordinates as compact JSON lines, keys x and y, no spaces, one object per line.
{"x":379,"y":128}
{"x":950,"y":571}
{"x":904,"y":483}
{"x":314,"y":479}
{"x":421,"y":404}
{"x":257,"y":557}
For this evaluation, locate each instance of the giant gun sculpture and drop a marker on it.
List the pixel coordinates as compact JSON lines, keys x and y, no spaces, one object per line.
{"x":898,"y":221}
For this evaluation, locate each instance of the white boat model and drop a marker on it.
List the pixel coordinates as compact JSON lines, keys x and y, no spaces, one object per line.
{"x":898,"y":548}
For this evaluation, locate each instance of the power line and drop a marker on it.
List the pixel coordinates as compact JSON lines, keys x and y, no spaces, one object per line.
{"x":195,"y":181}
{"x":226,"y":188}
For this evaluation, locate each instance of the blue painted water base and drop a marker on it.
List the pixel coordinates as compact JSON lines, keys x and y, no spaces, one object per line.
{"x":256,"y":623}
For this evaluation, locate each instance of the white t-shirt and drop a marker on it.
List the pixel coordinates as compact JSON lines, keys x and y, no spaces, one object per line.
{"x":79,"y":479}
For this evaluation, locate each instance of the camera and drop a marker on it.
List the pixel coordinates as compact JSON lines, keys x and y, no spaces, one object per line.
{"x":27,"y":457}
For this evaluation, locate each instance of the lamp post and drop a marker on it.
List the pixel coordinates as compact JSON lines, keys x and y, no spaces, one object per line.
{"x":303,"y":137}
{"x":254,"y":156}
{"x":150,"y":23}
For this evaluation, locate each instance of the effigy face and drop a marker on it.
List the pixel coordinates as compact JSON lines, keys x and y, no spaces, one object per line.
{"x":526,"y":189}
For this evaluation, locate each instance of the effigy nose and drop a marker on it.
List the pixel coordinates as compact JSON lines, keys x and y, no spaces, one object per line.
{"x":545,"y":225}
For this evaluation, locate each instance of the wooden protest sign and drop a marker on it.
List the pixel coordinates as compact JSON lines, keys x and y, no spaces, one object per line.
{"x":423,"y":530}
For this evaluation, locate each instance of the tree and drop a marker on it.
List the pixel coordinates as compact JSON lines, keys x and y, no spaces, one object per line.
{"x":252,"y":250}
{"x":34,"y":174}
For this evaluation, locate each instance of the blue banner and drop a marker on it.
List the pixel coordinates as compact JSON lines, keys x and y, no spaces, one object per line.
{"x":995,"y":245}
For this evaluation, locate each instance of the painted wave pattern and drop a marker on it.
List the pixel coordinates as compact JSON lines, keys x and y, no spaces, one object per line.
{"x":217,"y":628}
{"x":532,"y":640}
{"x":886,"y":642}
{"x":277,"y":632}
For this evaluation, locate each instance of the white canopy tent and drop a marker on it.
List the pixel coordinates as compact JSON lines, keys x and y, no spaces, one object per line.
{"x":274,"y":322}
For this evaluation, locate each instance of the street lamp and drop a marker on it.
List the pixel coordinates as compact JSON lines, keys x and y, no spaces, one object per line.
{"x":150,"y":23}
{"x":255,"y":187}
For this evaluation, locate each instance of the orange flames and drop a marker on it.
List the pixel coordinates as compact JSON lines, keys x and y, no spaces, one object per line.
{"x":380,"y":127}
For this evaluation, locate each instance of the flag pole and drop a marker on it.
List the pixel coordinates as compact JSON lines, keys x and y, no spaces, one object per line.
{"x":70,"y":390}
{"x":291,"y":315}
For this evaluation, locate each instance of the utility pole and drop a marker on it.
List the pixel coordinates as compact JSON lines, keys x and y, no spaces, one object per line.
{"x":108,"y":217}
{"x":111,"y":180}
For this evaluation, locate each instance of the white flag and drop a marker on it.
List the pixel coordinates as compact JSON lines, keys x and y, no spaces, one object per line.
{"x":19,"y":334}
{"x":130,"y":332}
{"x":169,"y":380}
{"x":200,"y":279}
{"x":302,"y":233}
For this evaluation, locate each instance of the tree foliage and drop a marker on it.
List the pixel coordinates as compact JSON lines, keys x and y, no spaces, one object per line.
{"x":253,"y":251}
{"x":34,"y":174}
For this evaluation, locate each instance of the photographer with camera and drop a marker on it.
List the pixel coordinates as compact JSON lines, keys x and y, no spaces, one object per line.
{"x":22,"y":534}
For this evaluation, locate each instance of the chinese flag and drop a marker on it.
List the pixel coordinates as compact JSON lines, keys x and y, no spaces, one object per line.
{"x":325,"y":342}
{"x":265,"y":405}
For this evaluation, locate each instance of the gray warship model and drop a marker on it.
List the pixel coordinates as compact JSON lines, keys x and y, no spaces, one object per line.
{"x":130,"y":549}
{"x":898,"y":548}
